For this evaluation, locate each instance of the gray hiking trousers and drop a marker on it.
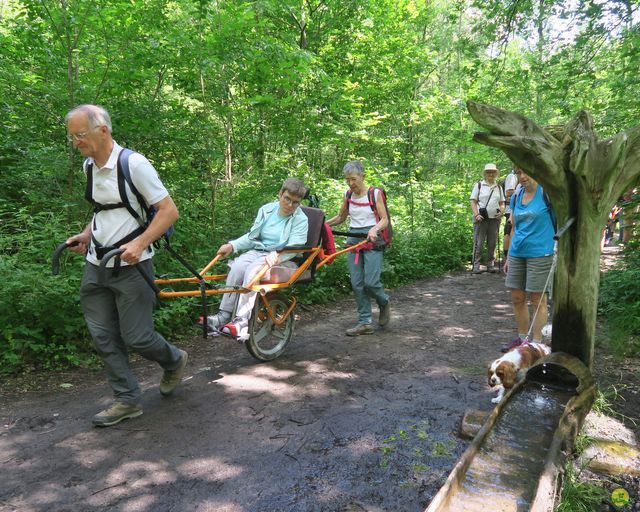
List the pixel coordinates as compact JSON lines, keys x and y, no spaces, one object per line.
{"x":486,"y":229}
{"x":120,"y":319}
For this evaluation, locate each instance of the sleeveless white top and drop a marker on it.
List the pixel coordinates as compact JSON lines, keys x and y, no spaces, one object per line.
{"x":361,"y":215}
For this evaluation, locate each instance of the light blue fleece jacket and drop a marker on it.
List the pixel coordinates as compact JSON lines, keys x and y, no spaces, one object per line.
{"x":294,"y":231}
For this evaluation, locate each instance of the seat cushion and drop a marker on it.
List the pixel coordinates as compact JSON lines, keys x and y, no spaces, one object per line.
{"x":282,"y":273}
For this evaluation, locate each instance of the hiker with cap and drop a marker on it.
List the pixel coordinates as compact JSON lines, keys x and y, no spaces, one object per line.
{"x":487,"y":205}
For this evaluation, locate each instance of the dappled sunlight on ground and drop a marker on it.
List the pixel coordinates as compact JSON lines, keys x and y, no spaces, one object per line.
{"x":275,"y":381}
{"x":336,"y":423}
{"x":457,"y":332}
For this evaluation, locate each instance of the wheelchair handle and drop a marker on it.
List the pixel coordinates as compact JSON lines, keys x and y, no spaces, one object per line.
{"x":348,"y":233}
{"x":55,"y":259}
{"x":115,"y":253}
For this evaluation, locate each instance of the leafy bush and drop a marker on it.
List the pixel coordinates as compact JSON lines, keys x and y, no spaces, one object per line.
{"x":41,"y":319}
{"x":619,"y":303}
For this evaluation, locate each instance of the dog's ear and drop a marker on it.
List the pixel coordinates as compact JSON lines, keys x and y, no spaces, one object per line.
{"x":508,"y":377}
{"x":491,"y":369}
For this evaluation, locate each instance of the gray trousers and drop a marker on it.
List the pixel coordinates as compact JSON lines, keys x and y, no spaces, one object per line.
{"x":241,"y":272}
{"x":365,"y":278}
{"x":120,"y":319}
{"x":486,"y":229}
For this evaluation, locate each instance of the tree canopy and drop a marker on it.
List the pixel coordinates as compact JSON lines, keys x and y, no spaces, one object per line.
{"x":227,"y":98}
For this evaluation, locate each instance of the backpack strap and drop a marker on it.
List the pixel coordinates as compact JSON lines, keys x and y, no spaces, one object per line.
{"x":552,"y":212}
{"x":124,"y":175}
{"x":348,"y":199}
{"x":88,"y":191}
{"x":386,"y":233}
{"x":371,"y":196}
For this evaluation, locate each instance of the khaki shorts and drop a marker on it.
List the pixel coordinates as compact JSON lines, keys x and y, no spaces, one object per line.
{"x":529,"y":274}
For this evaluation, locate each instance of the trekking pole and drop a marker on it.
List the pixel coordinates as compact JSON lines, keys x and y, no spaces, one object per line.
{"x":499,"y":246}
{"x":564,"y":228}
{"x":475,"y":241}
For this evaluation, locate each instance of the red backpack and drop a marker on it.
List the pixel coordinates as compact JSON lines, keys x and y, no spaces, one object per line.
{"x":386,"y":233}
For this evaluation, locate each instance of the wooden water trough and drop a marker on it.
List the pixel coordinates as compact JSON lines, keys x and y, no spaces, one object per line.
{"x":515,"y":462}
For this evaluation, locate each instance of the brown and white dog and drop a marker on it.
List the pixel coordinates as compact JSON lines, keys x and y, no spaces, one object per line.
{"x":503,"y":371}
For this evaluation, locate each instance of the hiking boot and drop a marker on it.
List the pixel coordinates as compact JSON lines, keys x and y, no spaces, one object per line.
{"x":172,"y":378}
{"x":215,"y":322}
{"x":116,"y":413}
{"x":360,"y":329}
{"x":476,"y":270}
{"x":512,"y":344}
{"x":385,"y":314}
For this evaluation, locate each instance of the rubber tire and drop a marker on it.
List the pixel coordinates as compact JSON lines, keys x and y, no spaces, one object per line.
{"x":267,"y":342}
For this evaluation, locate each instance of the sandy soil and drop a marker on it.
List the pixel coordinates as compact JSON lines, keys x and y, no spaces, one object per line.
{"x":335,"y":424}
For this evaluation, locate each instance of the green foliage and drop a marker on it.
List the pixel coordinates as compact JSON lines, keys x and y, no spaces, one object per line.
{"x":580,"y":495}
{"x":605,"y":400}
{"x":619,"y":303}
{"x":41,"y":319}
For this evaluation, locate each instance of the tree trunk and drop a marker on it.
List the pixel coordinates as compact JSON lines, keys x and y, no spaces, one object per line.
{"x":584,"y":177}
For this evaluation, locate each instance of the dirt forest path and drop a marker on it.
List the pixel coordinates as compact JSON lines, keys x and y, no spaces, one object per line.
{"x":336,"y":424}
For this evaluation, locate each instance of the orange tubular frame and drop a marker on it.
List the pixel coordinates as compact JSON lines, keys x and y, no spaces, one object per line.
{"x":254,"y":286}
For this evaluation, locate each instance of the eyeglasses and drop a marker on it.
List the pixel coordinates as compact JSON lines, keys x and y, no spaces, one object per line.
{"x":78,"y":136}
{"x":290,"y":201}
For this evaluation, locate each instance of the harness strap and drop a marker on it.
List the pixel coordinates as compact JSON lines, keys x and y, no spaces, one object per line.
{"x":123,"y":177}
{"x":102,"y":250}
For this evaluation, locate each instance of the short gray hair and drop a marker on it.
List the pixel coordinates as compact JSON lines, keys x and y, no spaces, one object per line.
{"x":295,"y":187}
{"x":353,"y":167}
{"x":96,"y":115}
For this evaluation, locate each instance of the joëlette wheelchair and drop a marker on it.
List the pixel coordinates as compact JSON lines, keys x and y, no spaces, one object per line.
{"x":272,"y":320}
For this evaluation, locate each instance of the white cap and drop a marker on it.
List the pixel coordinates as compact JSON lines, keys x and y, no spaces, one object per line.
{"x":490,"y":167}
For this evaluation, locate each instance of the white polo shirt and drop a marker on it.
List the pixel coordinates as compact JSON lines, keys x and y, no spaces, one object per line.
{"x":110,"y":226}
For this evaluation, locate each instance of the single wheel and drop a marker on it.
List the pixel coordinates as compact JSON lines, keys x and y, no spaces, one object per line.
{"x":266,"y":340}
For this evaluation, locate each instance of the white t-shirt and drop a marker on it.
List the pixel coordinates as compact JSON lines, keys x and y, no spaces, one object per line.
{"x":510,"y":183}
{"x":110,"y":226}
{"x":361,"y":215}
{"x":491,"y":194}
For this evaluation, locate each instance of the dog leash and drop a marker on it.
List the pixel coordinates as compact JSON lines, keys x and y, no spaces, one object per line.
{"x":546,"y":285}
{"x":552,"y":270}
